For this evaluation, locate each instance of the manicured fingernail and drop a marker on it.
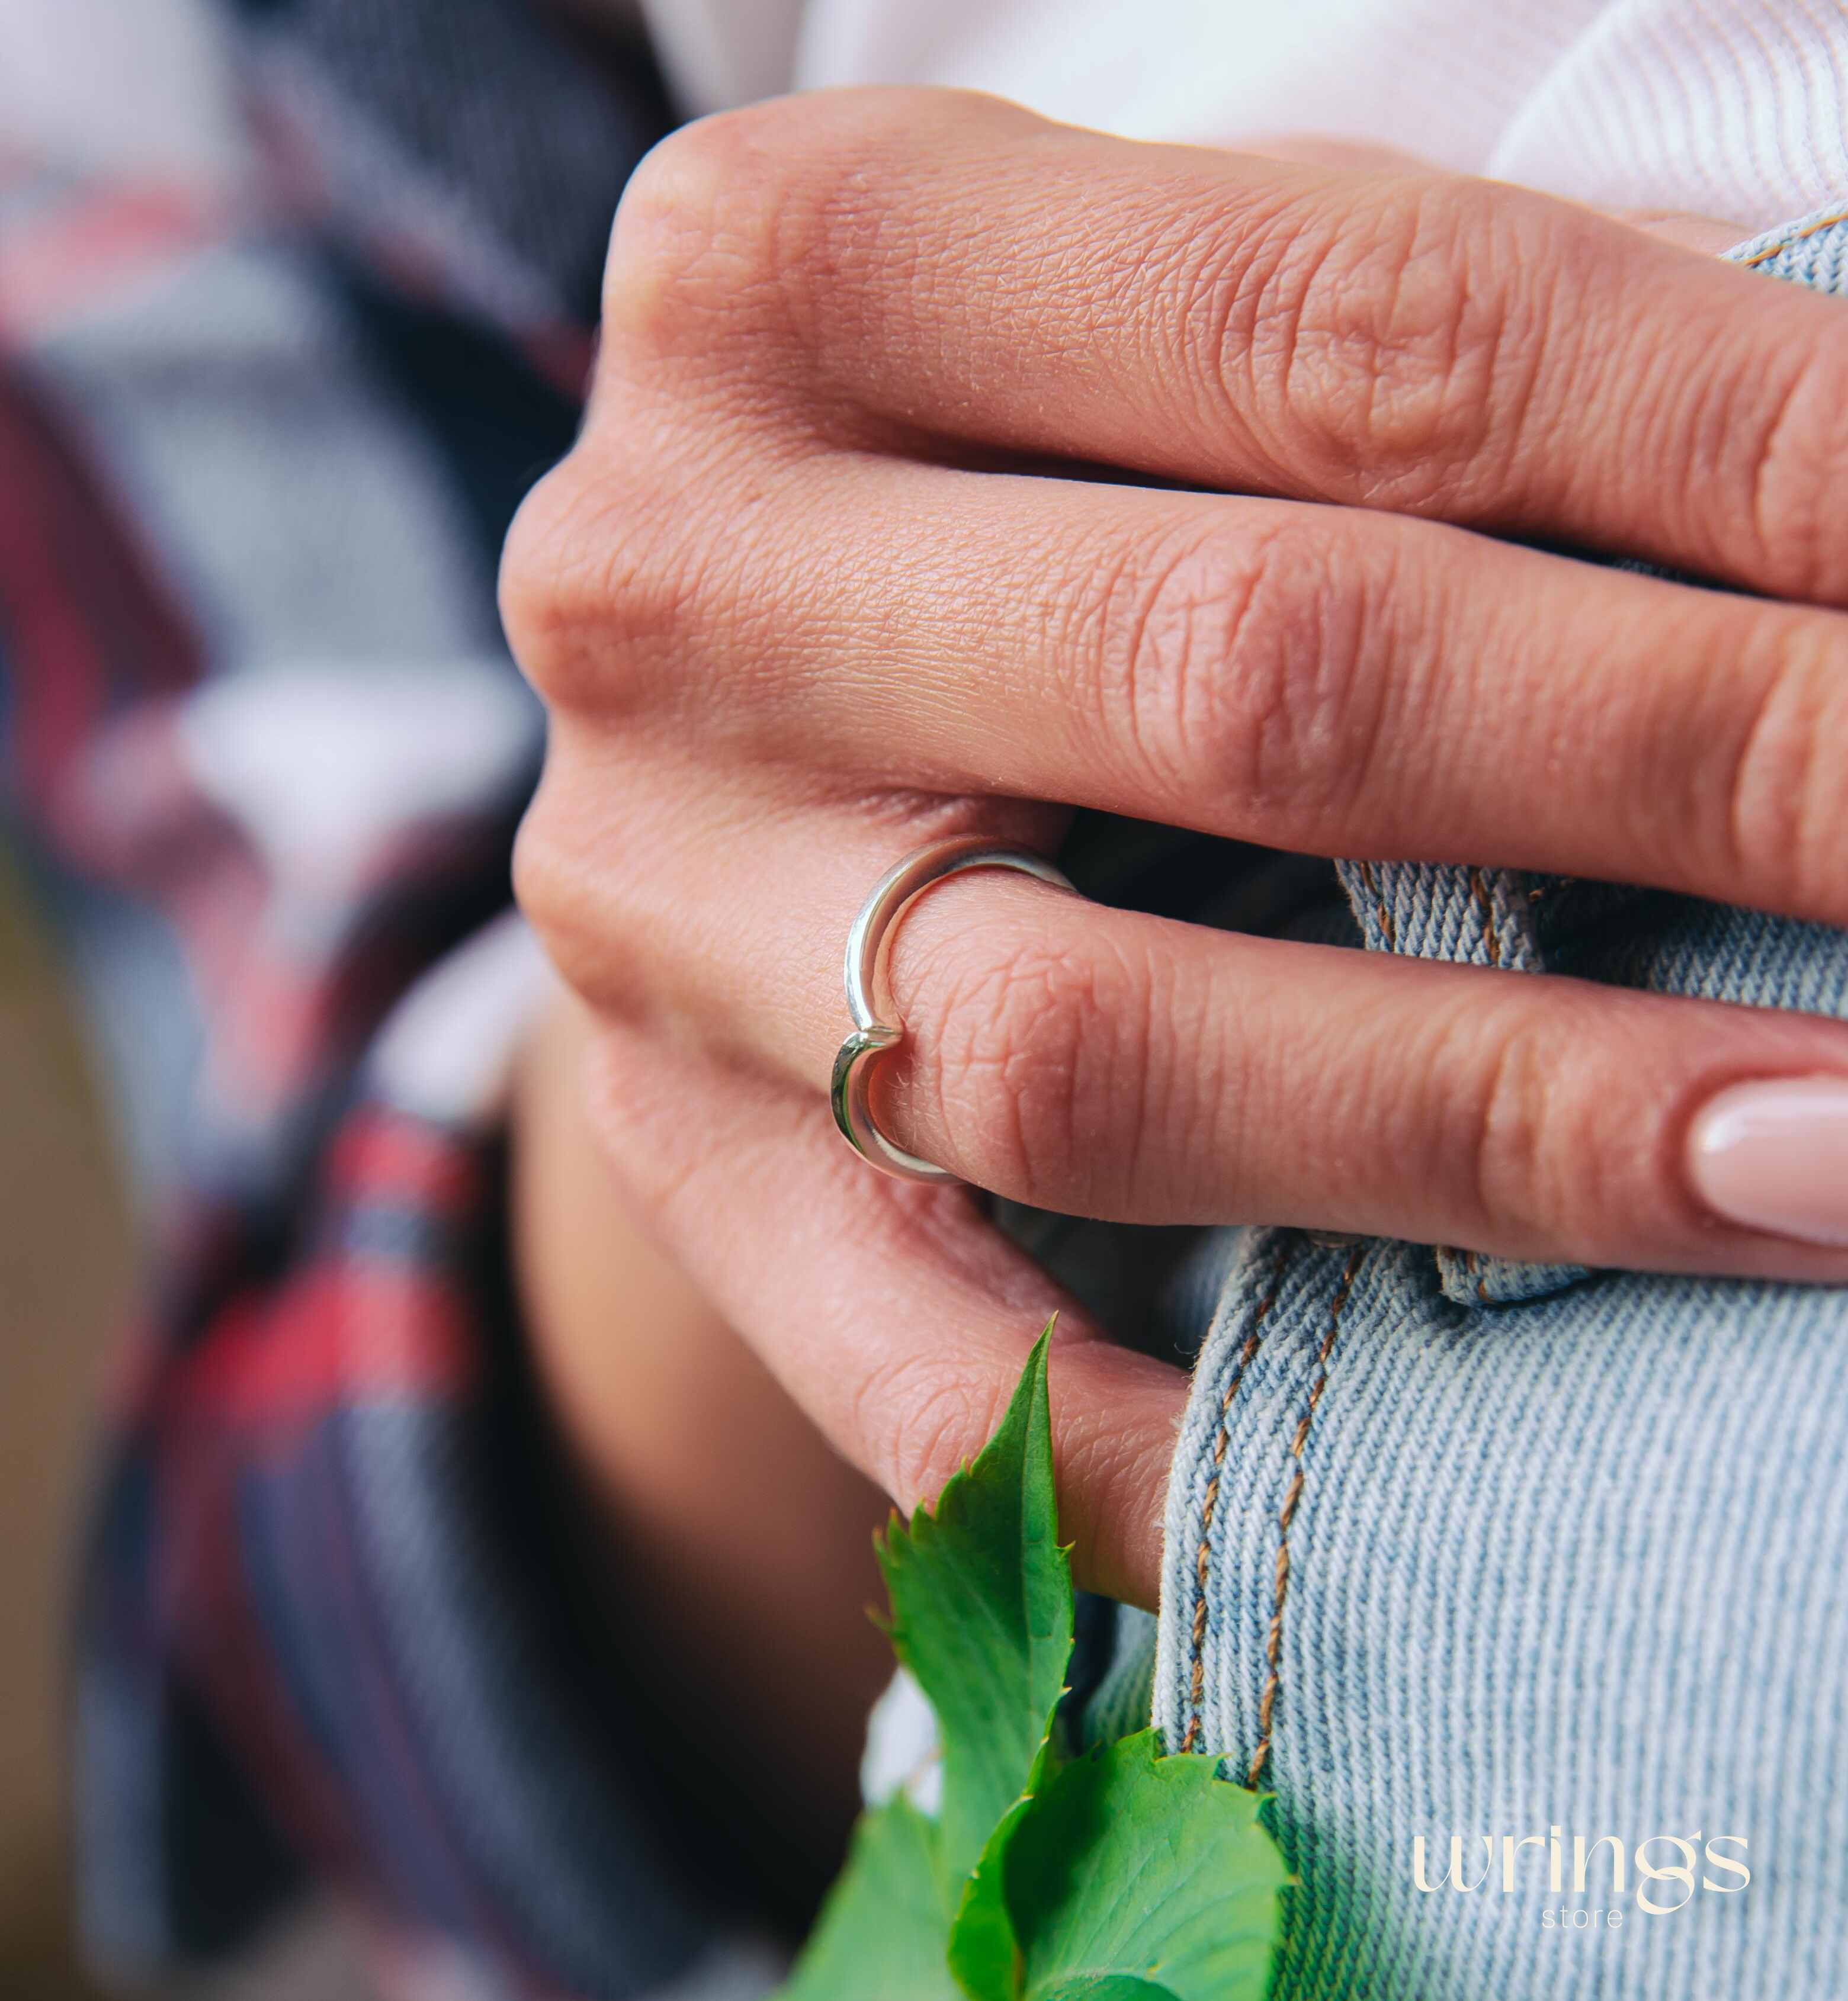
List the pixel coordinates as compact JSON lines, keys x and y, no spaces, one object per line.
{"x":1774,"y":1155}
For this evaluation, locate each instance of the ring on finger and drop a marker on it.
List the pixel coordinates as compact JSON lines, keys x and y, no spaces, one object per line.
{"x":891,"y":897}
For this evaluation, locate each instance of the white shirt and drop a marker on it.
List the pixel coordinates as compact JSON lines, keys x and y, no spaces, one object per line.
{"x":1736,"y":109}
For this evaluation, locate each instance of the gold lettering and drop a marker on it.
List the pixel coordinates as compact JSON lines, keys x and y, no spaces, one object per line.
{"x":1453,"y":1875}
{"x":1582,"y":1856}
{"x":1726,"y":1862}
{"x":1510,"y":1848}
{"x":1646,"y":1872}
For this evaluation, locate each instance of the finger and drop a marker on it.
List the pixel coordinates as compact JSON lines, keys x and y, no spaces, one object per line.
{"x":897,"y":1317}
{"x":1103,"y":1063}
{"x":1417,"y":342}
{"x":1327,"y":679}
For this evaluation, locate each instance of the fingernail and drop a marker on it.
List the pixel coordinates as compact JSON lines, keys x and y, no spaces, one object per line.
{"x":1774,"y":1155}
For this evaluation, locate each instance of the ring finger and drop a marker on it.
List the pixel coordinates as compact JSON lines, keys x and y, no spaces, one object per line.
{"x":1105,"y":1062}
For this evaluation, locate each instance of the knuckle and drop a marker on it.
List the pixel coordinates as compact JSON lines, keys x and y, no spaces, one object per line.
{"x":1290,"y":712}
{"x":1510,"y":1144}
{"x":548,"y":885}
{"x":1103,"y":1460}
{"x":1794,"y":440}
{"x":1403,"y":329}
{"x":1782,"y":784}
{"x":1548,"y":1166}
{"x":1152,"y":631}
{"x":753,"y":214}
{"x":1247,"y":661}
{"x":1041,"y":1068}
{"x":601,"y":577}
{"x":570,"y":902}
{"x":542,"y":607}
{"x":696,"y":230}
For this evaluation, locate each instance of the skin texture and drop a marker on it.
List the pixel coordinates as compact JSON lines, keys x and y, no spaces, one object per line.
{"x":808,"y":593}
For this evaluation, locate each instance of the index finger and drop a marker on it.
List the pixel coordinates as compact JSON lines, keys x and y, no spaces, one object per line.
{"x":1414,"y":341}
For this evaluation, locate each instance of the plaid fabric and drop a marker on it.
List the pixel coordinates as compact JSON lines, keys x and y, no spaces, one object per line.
{"x":257,"y":449}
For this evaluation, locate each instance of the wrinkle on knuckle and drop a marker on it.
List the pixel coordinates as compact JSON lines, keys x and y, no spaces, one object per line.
{"x":1151,"y":625}
{"x":1280,"y":717}
{"x":1508,"y":1125}
{"x":1040,"y":1063}
{"x":1782,"y":787}
{"x":1391,"y":349}
{"x":1537,"y":1168}
{"x":1186,"y":656}
{"x":1259,"y":663}
{"x":1795,"y":446}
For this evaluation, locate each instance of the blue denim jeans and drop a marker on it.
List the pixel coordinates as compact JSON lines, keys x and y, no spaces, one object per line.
{"x":1461,"y":1548}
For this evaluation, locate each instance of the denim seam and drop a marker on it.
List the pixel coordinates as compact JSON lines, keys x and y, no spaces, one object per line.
{"x":1472,"y":1263}
{"x":1490,"y":937}
{"x":1813,"y":228}
{"x":1196,"y":1686}
{"x":1388,"y":930}
{"x":1273,"y":1646}
{"x":1770,"y":243}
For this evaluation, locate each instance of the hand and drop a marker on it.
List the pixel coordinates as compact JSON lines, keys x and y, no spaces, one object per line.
{"x":795,"y":608}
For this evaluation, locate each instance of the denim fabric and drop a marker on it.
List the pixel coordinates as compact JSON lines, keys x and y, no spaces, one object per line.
{"x":1457,"y":1546}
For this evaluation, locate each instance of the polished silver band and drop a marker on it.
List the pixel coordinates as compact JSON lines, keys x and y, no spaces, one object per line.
{"x":891,"y":895}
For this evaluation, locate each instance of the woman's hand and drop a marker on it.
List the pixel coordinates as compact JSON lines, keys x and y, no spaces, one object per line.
{"x":797,"y":603}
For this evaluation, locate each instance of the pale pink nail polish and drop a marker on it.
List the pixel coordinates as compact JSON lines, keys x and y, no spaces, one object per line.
{"x":1773,"y":1155}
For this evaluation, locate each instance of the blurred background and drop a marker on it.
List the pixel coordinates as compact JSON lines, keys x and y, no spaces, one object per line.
{"x":136,"y":89}
{"x":64,"y":1266}
{"x":126,"y":86}
{"x":291,"y":313}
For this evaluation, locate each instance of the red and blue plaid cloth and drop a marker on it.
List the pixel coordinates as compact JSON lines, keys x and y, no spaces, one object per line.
{"x":259,"y":441}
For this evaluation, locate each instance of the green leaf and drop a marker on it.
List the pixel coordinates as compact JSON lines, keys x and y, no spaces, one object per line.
{"x":984,"y":1954}
{"x":881,"y":1932}
{"x":1108,"y":1987}
{"x":1124,"y":1876}
{"x":1132,"y":1863}
{"x":982,"y":1615}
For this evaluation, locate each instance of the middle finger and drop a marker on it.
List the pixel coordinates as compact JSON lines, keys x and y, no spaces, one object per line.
{"x":1327,"y":679}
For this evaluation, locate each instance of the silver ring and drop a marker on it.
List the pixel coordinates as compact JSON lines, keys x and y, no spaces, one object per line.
{"x":891,"y":895}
